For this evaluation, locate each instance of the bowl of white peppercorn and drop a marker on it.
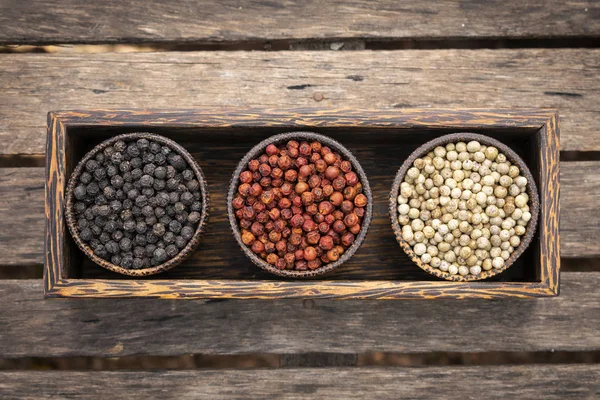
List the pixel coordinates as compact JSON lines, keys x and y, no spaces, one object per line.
{"x":464,"y":207}
{"x":137,"y":204}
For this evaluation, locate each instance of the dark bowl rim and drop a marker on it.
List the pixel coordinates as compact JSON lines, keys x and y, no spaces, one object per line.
{"x":183,"y":253}
{"x":511,"y":156}
{"x":300,"y":136}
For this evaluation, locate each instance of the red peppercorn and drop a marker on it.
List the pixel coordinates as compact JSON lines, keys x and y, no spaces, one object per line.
{"x":301,"y":187}
{"x":280,"y":264}
{"x":347,"y":239}
{"x":244,"y":189}
{"x":314,"y":264}
{"x":307,"y":198}
{"x":286,"y":189}
{"x":329,"y":219}
{"x":264,"y":169}
{"x":312,"y":209}
{"x":295,"y":239}
{"x":281,"y":246}
{"x":258,"y":247}
{"x":325,"y":208}
{"x":339,"y":183}
{"x":319,"y":218}
{"x":292,"y":144}
{"x":299,"y":255}
{"x":277,"y":182}
{"x":279,"y":225}
{"x":293,"y":152}
{"x":248,"y":238}
{"x":338,"y":214}
{"x":313,"y":237}
{"x":258,"y":207}
{"x":351,"y":220}
{"x":284,"y":203}
{"x":318,"y":194}
{"x":314,"y":181}
{"x":358,"y":187}
{"x":309,"y":225}
{"x":284,"y":162}
{"x":265,"y":182}
{"x":270,"y":247}
{"x":347,"y":206}
{"x":360,"y":200}
{"x":324,"y":227}
{"x":314,"y":157}
{"x":246,"y":177}
{"x":289,"y":260}
{"x":263,"y":159}
{"x":274,"y":236}
{"x":237,"y":203}
{"x":305,"y":149}
{"x":301,"y":265}
{"x":351,"y":178}
{"x":272,"y":258}
{"x":316,"y":146}
{"x":276,"y":172}
{"x":253,"y":165}
{"x":310,"y":253}
{"x":335,"y":236}
{"x":354,"y":229}
{"x":305,"y":171}
{"x":329,"y":158}
{"x":286,"y":213}
{"x":271,"y":150}
{"x":320,"y":165}
{"x":244,"y":223}
{"x":269,"y":225}
{"x":326,"y":242}
{"x":291,"y":175}
{"x":332,"y":172}
{"x":359,"y":211}
{"x":296,"y":221}
{"x":349,"y":193}
{"x":257,"y":229}
{"x":262,"y":217}
{"x":267,"y":197}
{"x":346,"y":166}
{"x":327,"y":190}
{"x":274,"y":213}
{"x":255,"y":190}
{"x":301,"y":161}
{"x":333,"y":255}
{"x":295,"y":209}
{"x":338,"y":226}
{"x":273,"y":160}
{"x":336,"y":199}
{"x":248,"y":213}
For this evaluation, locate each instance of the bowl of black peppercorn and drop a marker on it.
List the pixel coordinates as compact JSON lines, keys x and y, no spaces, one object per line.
{"x":137,"y":204}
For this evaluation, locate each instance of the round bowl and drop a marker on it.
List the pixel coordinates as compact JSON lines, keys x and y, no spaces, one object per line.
{"x":185,"y":252}
{"x":259,"y":149}
{"x":534,"y":202}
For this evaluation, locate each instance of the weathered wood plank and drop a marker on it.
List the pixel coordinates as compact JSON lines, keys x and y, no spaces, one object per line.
{"x":78,"y":21}
{"x":567,"y":79}
{"x":549,"y":382}
{"x":22,"y":219}
{"x":36,"y":327}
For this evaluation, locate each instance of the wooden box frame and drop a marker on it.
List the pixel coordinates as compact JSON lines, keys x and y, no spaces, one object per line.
{"x":541,"y":125}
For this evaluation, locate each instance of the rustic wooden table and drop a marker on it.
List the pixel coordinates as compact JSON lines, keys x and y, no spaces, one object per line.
{"x":390,"y":55}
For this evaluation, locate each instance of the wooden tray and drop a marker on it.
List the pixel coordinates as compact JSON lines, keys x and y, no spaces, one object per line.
{"x":381,"y":140}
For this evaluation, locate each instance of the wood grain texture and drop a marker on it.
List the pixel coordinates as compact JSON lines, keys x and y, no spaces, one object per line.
{"x":566,"y":79}
{"x":33,"y":326}
{"x":21,"y":233}
{"x":78,"y":21}
{"x":560,"y":382}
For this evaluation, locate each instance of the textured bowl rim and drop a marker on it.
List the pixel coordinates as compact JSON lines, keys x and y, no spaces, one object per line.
{"x":511,"y":156}
{"x":300,"y":136}
{"x":185,"y":252}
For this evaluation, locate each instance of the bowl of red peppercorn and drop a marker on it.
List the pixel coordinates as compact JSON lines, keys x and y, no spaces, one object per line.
{"x":137,"y":204}
{"x":299,"y":204}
